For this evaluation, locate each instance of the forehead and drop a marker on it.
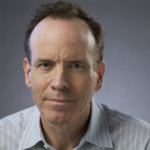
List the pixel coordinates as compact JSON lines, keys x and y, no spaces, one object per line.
{"x":54,"y":33}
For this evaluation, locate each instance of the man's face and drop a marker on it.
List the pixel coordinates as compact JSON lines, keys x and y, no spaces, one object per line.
{"x":61,"y":75}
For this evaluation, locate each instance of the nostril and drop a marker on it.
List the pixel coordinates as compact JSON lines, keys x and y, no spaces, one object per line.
{"x":59,"y":83}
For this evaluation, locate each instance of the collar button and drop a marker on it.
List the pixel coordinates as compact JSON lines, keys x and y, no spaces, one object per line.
{"x":45,"y":146}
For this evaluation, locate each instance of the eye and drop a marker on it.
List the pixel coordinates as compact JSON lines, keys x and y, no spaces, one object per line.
{"x":45,"y":66}
{"x":76,"y":66}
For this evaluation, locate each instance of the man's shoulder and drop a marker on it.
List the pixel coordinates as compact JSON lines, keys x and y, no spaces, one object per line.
{"x":20,"y":116}
{"x":12,"y":128}
{"x":116,"y":117}
{"x":127,"y":131}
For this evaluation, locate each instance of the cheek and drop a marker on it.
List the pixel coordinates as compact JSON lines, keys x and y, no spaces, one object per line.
{"x":38,"y":86}
{"x":84,"y":86}
{"x":38,"y":81}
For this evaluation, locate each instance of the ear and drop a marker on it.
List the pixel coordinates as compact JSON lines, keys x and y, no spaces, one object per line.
{"x":100,"y":73}
{"x":27,"y":71}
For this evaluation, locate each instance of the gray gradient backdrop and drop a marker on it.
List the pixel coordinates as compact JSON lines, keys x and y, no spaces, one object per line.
{"x":126,"y":84}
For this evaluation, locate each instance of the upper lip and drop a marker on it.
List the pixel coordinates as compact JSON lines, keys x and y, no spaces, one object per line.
{"x":60,"y":100}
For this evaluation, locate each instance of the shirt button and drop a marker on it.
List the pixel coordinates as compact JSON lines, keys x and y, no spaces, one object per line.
{"x":45,"y":146}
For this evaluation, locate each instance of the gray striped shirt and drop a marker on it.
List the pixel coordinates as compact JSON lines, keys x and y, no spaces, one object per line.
{"x":108,"y":130}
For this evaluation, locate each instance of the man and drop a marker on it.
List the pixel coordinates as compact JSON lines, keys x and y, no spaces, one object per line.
{"x":64,"y":67}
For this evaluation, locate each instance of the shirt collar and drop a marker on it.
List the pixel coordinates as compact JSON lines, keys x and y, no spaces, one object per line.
{"x":98,"y":130}
{"x":33,"y":133}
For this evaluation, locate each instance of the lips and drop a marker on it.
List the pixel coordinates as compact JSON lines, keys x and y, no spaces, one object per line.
{"x":60,"y":101}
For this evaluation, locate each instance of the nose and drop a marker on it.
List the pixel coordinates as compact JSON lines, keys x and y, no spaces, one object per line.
{"x":59,"y":81}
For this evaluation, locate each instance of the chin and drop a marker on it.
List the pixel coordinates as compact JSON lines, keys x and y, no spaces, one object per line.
{"x":54,"y":117}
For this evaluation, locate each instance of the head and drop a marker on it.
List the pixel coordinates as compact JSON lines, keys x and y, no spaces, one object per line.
{"x":66,"y":10}
{"x":61,"y":51}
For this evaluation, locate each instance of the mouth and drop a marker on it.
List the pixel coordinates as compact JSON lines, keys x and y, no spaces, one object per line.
{"x":60,"y":101}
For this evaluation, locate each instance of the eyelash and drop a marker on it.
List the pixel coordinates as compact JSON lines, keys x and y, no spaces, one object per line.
{"x":76,"y":66}
{"x":44,"y":65}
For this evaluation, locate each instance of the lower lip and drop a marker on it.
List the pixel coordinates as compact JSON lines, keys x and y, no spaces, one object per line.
{"x":60,"y":101}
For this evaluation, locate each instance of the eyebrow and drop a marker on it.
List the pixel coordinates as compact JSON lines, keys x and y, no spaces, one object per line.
{"x":77,"y":62}
{"x":41,"y":60}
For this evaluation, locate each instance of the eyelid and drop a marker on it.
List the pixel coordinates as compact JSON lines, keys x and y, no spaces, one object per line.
{"x":41,"y":61}
{"x":78,"y":62}
{"x":42,"y":66}
{"x":77,"y":65}
{"x":44,"y":62}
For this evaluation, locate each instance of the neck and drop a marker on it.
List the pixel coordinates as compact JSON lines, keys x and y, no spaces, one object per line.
{"x":65,"y":136}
